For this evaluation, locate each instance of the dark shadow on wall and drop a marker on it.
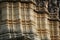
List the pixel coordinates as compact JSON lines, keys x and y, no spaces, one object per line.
{"x":19,"y":38}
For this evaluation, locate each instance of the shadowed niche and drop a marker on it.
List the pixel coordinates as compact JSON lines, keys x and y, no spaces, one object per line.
{"x":20,"y":38}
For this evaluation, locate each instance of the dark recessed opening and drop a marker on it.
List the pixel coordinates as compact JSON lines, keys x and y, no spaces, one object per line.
{"x":0,"y":14}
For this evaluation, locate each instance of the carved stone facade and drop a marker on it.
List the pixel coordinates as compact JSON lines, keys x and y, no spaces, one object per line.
{"x":29,"y":20}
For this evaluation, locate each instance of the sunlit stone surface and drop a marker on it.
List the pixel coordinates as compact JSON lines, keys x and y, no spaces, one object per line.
{"x":29,"y":20}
